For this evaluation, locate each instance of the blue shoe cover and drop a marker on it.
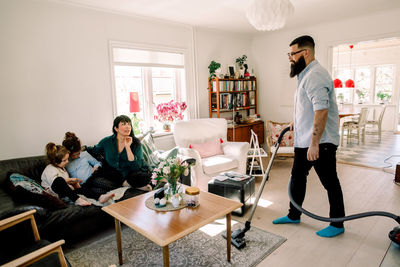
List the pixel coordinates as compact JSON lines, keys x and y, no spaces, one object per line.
{"x":284,"y":219}
{"x":330,"y":231}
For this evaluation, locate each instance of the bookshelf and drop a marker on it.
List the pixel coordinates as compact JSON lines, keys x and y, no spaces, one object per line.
{"x":232,"y":95}
{"x":229,"y":95}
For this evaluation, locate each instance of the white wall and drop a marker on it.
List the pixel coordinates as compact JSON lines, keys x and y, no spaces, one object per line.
{"x":55,"y":72}
{"x":222,"y":47}
{"x":272,"y":64}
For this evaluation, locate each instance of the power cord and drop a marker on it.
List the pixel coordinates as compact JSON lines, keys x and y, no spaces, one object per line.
{"x":390,"y":166}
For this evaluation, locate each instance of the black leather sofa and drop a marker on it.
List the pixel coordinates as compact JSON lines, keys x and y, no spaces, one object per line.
{"x":72,"y":223}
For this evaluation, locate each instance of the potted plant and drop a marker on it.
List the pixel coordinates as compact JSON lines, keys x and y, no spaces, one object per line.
{"x":169,"y":112}
{"x":212,"y":68}
{"x":240,"y":62}
{"x":360,"y":95}
{"x":382,"y":97}
{"x":341,"y":98}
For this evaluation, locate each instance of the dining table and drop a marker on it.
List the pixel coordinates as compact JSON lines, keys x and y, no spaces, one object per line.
{"x":349,"y":111}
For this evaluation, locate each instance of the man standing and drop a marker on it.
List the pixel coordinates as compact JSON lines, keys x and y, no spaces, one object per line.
{"x":316,"y":133}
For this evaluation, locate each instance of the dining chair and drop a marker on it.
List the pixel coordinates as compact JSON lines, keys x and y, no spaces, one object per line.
{"x":374,"y":127}
{"x":358,"y":126}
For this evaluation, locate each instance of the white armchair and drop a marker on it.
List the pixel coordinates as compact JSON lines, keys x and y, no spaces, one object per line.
{"x":203,"y":130}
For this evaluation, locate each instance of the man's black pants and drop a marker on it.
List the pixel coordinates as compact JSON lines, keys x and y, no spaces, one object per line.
{"x":325,"y":167}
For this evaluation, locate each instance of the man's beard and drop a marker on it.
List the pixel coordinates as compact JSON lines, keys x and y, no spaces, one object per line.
{"x":297,"y":67}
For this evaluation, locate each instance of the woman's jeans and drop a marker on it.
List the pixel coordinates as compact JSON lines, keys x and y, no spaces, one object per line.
{"x":325,"y":167}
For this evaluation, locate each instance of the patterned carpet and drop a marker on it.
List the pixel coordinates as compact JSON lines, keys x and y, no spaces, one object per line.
{"x":205,"y":247}
{"x":384,"y":155}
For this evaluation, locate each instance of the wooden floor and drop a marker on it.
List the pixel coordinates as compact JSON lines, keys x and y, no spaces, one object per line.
{"x":365,"y":242}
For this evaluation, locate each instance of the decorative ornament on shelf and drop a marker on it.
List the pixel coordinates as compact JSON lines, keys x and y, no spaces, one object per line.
{"x":350,"y":83}
{"x":170,"y":171}
{"x":170,"y":112}
{"x":269,"y":15}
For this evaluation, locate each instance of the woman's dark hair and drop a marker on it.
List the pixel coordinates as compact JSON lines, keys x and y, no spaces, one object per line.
{"x":55,"y":153}
{"x":72,"y":142}
{"x":124,"y":118}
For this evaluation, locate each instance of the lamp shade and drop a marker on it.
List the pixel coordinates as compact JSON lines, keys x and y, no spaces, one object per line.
{"x":269,"y":15}
{"x":134,"y":102}
{"x":349,"y":83}
{"x":337,"y":83}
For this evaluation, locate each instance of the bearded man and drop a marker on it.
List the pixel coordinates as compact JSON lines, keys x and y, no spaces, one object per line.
{"x":316,"y":133}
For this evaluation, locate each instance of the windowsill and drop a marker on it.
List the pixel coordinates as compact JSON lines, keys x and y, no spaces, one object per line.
{"x":157,"y":134}
{"x":162,"y":134}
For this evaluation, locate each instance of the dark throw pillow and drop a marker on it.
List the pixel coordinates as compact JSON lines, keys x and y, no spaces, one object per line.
{"x":24,"y":189}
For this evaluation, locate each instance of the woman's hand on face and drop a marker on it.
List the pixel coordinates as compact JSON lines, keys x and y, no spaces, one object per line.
{"x":128,"y":141}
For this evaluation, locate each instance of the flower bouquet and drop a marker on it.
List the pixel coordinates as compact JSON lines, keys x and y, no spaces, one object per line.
{"x":170,"y":171}
{"x":170,"y":112}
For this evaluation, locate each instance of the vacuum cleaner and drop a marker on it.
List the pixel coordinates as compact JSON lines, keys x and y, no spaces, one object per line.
{"x":238,"y":236}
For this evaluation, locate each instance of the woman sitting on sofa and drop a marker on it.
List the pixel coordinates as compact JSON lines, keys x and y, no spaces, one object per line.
{"x":56,"y":179}
{"x":123,"y":154}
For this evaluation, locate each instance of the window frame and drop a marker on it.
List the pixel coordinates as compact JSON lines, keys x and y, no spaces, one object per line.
{"x":373,"y":90}
{"x":190,"y":96}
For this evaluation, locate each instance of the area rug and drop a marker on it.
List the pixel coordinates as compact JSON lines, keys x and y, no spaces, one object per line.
{"x":205,"y":247}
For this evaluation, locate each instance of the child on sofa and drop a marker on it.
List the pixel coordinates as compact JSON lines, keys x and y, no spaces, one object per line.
{"x":85,"y":167}
{"x":56,"y":179}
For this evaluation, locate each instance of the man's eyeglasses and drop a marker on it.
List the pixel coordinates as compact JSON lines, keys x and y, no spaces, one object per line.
{"x":294,"y":53}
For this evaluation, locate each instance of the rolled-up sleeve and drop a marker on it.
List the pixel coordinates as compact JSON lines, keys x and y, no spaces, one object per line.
{"x":318,"y":93}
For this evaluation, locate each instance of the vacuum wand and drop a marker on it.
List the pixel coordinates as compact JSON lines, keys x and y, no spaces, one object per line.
{"x":237,"y":237}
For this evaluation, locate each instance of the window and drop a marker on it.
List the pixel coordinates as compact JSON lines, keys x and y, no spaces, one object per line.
{"x":384,"y":82}
{"x":156,"y":76}
{"x":369,"y":81}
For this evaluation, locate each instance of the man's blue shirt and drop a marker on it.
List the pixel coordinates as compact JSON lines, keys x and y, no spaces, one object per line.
{"x":315,"y":91}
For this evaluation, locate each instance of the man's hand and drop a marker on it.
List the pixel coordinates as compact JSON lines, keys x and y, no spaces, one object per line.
{"x":313,"y":153}
{"x":291,"y":126}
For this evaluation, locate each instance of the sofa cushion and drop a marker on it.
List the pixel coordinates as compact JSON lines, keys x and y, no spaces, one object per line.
{"x":208,"y":149}
{"x":288,"y":138}
{"x":27,"y":183}
{"x":219,"y":163}
{"x":152,"y":156}
{"x":24,"y":189}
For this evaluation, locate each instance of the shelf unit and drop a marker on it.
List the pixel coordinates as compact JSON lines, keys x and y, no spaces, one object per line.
{"x":229,"y":95}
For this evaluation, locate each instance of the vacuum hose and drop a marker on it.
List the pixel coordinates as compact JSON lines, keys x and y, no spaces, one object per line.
{"x":340,"y":219}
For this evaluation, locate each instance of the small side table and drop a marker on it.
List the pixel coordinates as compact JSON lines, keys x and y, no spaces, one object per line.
{"x":236,"y":190}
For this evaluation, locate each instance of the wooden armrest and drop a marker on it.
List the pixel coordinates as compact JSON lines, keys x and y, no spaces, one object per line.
{"x":7,"y":223}
{"x":39,"y":254}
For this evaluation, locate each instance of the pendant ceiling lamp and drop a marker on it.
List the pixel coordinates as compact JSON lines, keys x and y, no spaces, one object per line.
{"x":269,"y":15}
{"x":350,"y":83}
{"x":337,"y":83}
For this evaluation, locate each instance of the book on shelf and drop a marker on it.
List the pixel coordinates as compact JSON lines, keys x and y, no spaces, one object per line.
{"x":233,"y":86}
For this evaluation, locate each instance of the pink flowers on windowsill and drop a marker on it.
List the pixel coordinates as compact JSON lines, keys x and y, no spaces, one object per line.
{"x":170,"y":111}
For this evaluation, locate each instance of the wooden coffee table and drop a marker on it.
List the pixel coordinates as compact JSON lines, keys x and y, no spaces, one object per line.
{"x":163,"y":228}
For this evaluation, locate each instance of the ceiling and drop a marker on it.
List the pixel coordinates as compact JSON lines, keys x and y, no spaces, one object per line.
{"x":230,"y":15}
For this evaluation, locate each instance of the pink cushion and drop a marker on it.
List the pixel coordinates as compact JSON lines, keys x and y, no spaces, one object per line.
{"x":208,"y":149}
